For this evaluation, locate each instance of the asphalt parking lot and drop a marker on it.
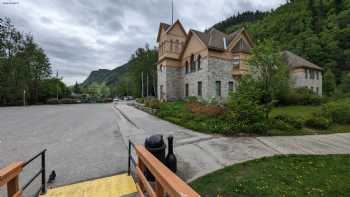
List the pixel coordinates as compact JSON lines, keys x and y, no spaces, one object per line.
{"x":82,"y":141}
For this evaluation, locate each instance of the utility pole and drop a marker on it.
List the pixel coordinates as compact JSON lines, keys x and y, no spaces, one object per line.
{"x":24,"y":97}
{"x":142,"y":84}
{"x":57,"y":86}
{"x":147,"y":85}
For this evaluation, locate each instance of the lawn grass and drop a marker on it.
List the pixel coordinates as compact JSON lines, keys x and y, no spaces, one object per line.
{"x":293,"y":175}
{"x":301,"y":111}
{"x":178,"y":113}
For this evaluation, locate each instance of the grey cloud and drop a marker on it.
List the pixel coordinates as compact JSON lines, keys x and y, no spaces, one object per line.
{"x":84,"y":35}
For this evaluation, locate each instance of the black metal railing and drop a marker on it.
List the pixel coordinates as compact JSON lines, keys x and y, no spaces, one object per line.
{"x":131,"y":160}
{"x":41,"y":172}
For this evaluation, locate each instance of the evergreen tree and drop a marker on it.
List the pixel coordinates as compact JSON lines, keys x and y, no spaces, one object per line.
{"x":76,"y":88}
{"x":345,"y":83}
{"x":328,"y":82}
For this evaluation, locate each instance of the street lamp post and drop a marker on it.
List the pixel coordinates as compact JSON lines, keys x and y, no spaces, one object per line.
{"x":24,"y":97}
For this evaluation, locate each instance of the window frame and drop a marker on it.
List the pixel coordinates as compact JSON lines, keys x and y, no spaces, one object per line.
{"x":199,"y":88}
{"x":306,"y":73}
{"x":218,"y":88}
{"x":187,"y":90}
{"x":230,"y":86}
{"x":199,"y":57}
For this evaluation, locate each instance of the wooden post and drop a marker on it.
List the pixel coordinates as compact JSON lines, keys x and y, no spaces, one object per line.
{"x":10,"y":176}
{"x":159,"y":189}
{"x":13,"y":187}
{"x":142,"y":168}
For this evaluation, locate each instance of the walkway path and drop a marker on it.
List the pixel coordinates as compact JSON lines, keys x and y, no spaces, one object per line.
{"x":199,"y":154}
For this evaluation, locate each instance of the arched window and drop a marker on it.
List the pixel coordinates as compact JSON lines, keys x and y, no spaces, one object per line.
{"x":199,"y":62}
{"x":193,"y":64}
{"x":161,"y":68}
{"x":186,"y":67}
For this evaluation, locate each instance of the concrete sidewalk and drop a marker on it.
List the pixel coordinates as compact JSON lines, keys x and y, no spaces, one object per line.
{"x":199,"y":154}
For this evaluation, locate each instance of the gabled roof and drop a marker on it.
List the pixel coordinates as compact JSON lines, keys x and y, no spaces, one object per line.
{"x":214,"y":39}
{"x":162,"y":26}
{"x":167,"y":28}
{"x":295,"y":61}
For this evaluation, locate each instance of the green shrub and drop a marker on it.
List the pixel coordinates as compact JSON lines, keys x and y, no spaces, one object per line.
{"x":245,"y":112}
{"x":52,"y":101}
{"x":140,"y":100}
{"x":301,"y":96}
{"x":191,"y":99}
{"x":68,"y":101}
{"x":338,"y":111}
{"x":318,"y":122}
{"x":285,"y":122}
{"x":152,"y":103}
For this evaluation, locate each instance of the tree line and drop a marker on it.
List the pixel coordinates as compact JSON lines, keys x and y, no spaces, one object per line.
{"x":317,"y":30}
{"x":25,"y":69}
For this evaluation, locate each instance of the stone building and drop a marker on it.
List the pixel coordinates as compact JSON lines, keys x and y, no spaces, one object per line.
{"x":209,"y":64}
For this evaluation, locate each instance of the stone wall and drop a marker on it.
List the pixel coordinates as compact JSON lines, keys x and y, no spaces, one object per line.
{"x":170,"y":78}
{"x":192,"y":79}
{"x":219,"y":70}
{"x":299,"y":80}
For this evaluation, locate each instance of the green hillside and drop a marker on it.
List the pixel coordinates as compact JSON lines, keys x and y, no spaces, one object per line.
{"x":318,"y":30}
{"x":126,"y":79}
{"x":109,"y":77}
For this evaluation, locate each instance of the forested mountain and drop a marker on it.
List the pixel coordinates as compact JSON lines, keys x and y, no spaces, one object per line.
{"x":229,"y":24}
{"x":126,"y":79}
{"x":109,"y":77}
{"x":318,"y":30}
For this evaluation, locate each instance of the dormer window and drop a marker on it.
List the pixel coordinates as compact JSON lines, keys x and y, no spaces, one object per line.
{"x":241,"y":45}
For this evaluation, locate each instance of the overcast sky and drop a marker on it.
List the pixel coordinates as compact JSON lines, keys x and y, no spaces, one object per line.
{"x":84,"y":35}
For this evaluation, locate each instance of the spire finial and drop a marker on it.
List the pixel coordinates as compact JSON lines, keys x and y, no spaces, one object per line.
{"x":172,"y":11}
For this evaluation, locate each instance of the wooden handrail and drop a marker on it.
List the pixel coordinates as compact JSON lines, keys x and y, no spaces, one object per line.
{"x":10,"y":176}
{"x":166,"y":180}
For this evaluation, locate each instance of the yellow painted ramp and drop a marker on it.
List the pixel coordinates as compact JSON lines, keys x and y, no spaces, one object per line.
{"x":113,"y":186}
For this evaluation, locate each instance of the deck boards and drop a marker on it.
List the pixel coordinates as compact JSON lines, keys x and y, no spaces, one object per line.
{"x":113,"y":186}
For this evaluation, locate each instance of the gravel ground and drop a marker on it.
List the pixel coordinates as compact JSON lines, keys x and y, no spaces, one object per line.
{"x":82,"y":141}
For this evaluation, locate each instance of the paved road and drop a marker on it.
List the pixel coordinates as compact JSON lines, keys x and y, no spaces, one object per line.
{"x":83,"y":141}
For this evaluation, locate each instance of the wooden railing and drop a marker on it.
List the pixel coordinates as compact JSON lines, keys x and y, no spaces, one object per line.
{"x":166,"y":182}
{"x":10,"y":176}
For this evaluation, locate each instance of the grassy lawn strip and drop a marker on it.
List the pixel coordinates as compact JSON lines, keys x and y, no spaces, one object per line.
{"x":293,"y":175}
{"x":301,"y":111}
{"x":178,"y":113}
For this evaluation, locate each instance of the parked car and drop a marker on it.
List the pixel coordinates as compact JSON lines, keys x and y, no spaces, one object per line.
{"x":115,"y":99}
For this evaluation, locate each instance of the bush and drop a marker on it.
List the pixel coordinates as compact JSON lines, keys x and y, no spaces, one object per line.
{"x":285,"y":122}
{"x":209,"y":110}
{"x":140,"y":100}
{"x":52,"y":101}
{"x":153,"y":103}
{"x":68,"y":101}
{"x":318,"y":123}
{"x":301,"y":96}
{"x":245,"y":112}
{"x":338,"y":111}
